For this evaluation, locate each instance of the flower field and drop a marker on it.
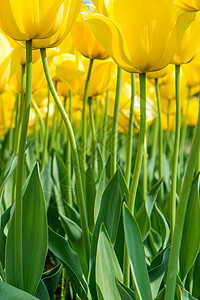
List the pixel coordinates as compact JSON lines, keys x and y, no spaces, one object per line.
{"x":99,"y":149}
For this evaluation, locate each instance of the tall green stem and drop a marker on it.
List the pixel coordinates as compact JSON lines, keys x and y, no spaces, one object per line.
{"x":144,"y":174}
{"x":181,"y":212}
{"x":93,"y":130}
{"x":20,"y":168}
{"x":105,"y":125}
{"x":77,"y":170}
{"x":69,"y":183}
{"x":160,"y":137}
{"x":84,"y":125}
{"x":45,"y":150}
{"x":140,"y":147}
{"x":130,"y":132}
{"x":176,"y":149}
{"x":137,"y":167}
{"x":41,"y":121}
{"x":115,"y":122}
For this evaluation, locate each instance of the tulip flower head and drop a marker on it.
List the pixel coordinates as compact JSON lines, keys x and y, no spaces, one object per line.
{"x":141,"y":36}
{"x":188,"y":5}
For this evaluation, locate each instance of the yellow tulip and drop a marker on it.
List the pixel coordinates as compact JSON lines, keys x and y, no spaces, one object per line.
{"x":85,"y":41}
{"x":189,"y":46}
{"x":140,"y":38}
{"x":191,"y":72}
{"x":34,"y":19}
{"x":7,"y":104}
{"x":191,"y":110}
{"x":188,"y":5}
{"x":74,"y":74}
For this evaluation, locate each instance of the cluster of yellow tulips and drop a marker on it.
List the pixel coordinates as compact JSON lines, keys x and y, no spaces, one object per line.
{"x":86,"y":75}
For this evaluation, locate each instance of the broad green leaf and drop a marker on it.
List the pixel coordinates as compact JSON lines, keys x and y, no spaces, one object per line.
{"x":30,"y":159}
{"x":73,"y":214}
{"x":47,"y":183}
{"x":196,"y":276}
{"x":152,"y":195}
{"x":8,"y":292}
{"x":51,"y":279}
{"x":9,"y":168}
{"x":124,"y":291}
{"x":61,"y":248}
{"x":157,"y":270}
{"x":143,"y":221}
{"x":136,"y":257}
{"x":107,"y":268}
{"x":90,"y":196}
{"x":109,"y":214}
{"x":191,"y":231}
{"x":74,"y":234}
{"x":161,"y":295}
{"x":182,"y":294}
{"x":42,"y":292}
{"x":3,"y":222}
{"x":34,"y":236}
{"x":104,"y":179}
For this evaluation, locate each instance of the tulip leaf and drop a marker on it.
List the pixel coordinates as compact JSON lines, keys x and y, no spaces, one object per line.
{"x":107,"y":268}
{"x":90,"y":196}
{"x":157,"y":270}
{"x":124,"y":291}
{"x":109,"y":214}
{"x":51,"y":279}
{"x":3,"y":222}
{"x":191,"y":231}
{"x":143,"y":221}
{"x":42,"y":292}
{"x":74,"y":234}
{"x":161,"y":295}
{"x":152,"y":195}
{"x":8,"y":291}
{"x":61,"y":248}
{"x":73,"y":214}
{"x":182,"y":294}
{"x":136,"y":256}
{"x":47,"y":183}
{"x":34,"y":236}
{"x":196,"y":276}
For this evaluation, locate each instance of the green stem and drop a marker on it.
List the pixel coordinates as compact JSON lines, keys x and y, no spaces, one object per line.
{"x":84,"y":125}
{"x":181,"y":212}
{"x":144,"y":174}
{"x":62,"y":294}
{"x":20,"y":167}
{"x":137,"y":167}
{"x":3,"y":114}
{"x":15,"y":136}
{"x":105,"y":125}
{"x":115,"y":123}
{"x":176,"y":150}
{"x":140,"y":147}
{"x":153,"y":150}
{"x":93,"y":130}
{"x":160,"y":137}
{"x":42,"y":125}
{"x":45,"y":148}
{"x":130,"y":132}
{"x":53,"y":131}
{"x":69,"y":183}
{"x":77,"y":170}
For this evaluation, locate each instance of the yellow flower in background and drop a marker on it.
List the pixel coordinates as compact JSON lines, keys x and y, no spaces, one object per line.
{"x":34,"y":19}
{"x":38,"y":78}
{"x":139,"y":37}
{"x":7,"y":104}
{"x":190,"y":111}
{"x":85,"y":41}
{"x":188,"y":5}
{"x":189,"y":46}
{"x":191,"y":72}
{"x":73,"y":73}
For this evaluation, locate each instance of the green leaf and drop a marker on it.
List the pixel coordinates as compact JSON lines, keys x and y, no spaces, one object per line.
{"x":152,"y":195}
{"x":109,"y":214}
{"x":47,"y":183}
{"x":107,"y":268}
{"x":157,"y":270}
{"x":60,"y":248}
{"x":136,"y":257}
{"x":8,"y":292}
{"x":3,"y":222}
{"x":34,"y":236}
{"x":42,"y":292}
{"x":124,"y":291}
{"x":143,"y":221}
{"x":191,"y":231}
{"x":161,"y":295}
{"x":196,"y":276}
{"x":51,"y":279}
{"x":182,"y":294}
{"x":90,"y":196}
{"x":74,"y":234}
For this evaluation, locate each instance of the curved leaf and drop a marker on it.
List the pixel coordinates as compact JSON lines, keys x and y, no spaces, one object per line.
{"x":9,"y":292}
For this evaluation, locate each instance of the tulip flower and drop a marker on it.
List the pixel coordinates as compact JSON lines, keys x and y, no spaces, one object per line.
{"x":74,"y":74}
{"x":155,"y":28}
{"x":188,"y":5}
{"x":190,"y":111}
{"x":189,"y":45}
{"x":85,"y":41}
